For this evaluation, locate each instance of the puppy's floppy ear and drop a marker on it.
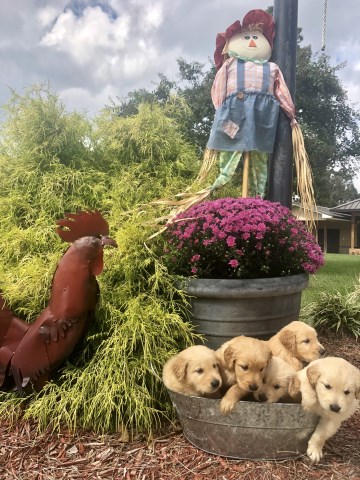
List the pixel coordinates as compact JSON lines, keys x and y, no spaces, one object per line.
{"x":288,"y":339}
{"x":357,"y":388}
{"x":294,"y":386}
{"x":229,"y":357}
{"x":357,"y":393}
{"x":179,"y":368}
{"x":313,"y":374}
{"x":269,"y":355}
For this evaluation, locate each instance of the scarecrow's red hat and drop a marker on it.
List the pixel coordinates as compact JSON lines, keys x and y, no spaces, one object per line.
{"x":253,"y":19}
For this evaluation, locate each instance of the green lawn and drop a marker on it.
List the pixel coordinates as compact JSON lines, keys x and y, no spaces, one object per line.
{"x":339,"y":273}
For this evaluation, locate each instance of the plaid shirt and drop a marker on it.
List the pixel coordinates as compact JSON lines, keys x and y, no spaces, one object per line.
{"x":225,"y":84}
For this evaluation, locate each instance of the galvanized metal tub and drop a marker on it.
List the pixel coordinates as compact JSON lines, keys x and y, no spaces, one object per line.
{"x":225,"y":308}
{"x":256,"y":431}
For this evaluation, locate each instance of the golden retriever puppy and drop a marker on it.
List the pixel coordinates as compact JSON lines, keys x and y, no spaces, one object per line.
{"x":194,"y":371}
{"x":329,"y":387}
{"x":296,"y":343}
{"x":276,"y":382}
{"x":242,"y":362}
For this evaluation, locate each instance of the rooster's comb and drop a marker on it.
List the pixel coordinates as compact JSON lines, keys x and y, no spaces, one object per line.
{"x":82,"y":224}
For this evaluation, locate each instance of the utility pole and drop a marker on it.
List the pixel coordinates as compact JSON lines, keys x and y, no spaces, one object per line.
{"x":284,"y":54}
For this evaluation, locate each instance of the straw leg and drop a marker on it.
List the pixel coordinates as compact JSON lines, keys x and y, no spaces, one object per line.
{"x":245,"y":183}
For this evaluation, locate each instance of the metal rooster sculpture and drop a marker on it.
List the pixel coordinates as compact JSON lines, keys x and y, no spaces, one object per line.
{"x":29,"y":352}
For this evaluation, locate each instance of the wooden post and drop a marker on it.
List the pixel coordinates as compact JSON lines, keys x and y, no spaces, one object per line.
{"x":245,"y":181}
{"x":325,"y":238}
{"x":353,"y":224}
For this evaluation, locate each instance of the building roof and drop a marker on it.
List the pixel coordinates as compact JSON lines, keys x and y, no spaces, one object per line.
{"x":330,"y":213}
{"x":348,"y":207}
{"x":323,"y":213}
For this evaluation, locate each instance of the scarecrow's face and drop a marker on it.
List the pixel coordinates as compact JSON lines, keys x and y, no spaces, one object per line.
{"x":250,"y":44}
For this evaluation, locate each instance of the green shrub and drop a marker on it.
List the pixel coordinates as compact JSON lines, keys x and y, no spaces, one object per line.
{"x":335,"y":312}
{"x":53,"y":162}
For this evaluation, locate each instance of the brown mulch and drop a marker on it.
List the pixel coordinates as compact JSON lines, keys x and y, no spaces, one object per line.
{"x":27,"y":455}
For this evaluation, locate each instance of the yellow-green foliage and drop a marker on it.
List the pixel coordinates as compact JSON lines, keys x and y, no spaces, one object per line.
{"x":52,"y":162}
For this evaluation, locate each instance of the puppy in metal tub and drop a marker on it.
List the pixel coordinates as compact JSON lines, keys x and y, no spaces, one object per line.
{"x":194,"y":371}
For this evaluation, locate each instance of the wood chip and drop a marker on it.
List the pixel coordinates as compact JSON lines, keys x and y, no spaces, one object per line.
{"x":24,"y":454}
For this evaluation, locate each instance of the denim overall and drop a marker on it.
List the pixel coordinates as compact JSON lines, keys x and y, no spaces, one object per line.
{"x":246,"y":120}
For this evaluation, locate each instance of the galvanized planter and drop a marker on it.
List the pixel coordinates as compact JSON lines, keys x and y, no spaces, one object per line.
{"x":225,"y":308}
{"x":257,"y":431}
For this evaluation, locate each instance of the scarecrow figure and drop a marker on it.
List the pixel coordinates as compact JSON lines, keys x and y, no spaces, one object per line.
{"x":247,"y":93}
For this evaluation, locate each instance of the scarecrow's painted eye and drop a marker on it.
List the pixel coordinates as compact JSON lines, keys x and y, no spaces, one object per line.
{"x":255,"y":37}
{"x":247,"y":37}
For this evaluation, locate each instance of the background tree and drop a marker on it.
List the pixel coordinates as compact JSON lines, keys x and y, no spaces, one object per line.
{"x":330,"y":126}
{"x":192,"y":86}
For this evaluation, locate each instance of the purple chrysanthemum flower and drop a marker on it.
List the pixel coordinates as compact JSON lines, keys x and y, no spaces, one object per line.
{"x":234,"y":263}
{"x":240,"y":238}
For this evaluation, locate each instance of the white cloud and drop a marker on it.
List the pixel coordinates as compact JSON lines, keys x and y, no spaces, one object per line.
{"x":110,"y":48}
{"x":85,"y":38}
{"x":135,"y":66}
{"x":353,"y":91}
{"x":153,"y":16}
{"x":47,"y":15}
{"x":80,"y":97}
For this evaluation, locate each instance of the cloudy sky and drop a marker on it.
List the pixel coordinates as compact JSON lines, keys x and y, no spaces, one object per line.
{"x":90,"y":50}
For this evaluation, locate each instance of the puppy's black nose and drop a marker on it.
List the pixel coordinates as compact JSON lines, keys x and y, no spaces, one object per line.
{"x":263,"y":397}
{"x":215,"y":383}
{"x":253,"y":387}
{"x":322,"y":351}
{"x":334,"y":407}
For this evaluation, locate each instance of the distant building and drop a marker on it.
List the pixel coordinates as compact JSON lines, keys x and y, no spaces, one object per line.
{"x":353,"y":210}
{"x":337,"y":228}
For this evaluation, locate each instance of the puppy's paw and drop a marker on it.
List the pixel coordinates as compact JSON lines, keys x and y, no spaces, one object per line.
{"x":309,"y":404}
{"x":314,"y":453}
{"x":294,"y":387}
{"x":227,"y":405}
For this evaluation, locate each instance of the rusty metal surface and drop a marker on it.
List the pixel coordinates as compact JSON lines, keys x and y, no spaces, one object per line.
{"x":225,"y":308}
{"x":12,"y":329}
{"x":257,"y":431}
{"x":28,"y":353}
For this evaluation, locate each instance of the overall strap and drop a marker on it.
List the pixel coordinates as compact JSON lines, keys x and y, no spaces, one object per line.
{"x":240,"y":75}
{"x":266,"y":78}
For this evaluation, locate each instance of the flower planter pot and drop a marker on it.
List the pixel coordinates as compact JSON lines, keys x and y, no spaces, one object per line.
{"x":222,"y":309}
{"x":257,"y":431}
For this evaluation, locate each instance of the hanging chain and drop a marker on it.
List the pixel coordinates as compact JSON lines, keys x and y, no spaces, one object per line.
{"x":324,"y":27}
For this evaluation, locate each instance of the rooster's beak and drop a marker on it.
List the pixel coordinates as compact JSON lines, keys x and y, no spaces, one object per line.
{"x":108,"y":241}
